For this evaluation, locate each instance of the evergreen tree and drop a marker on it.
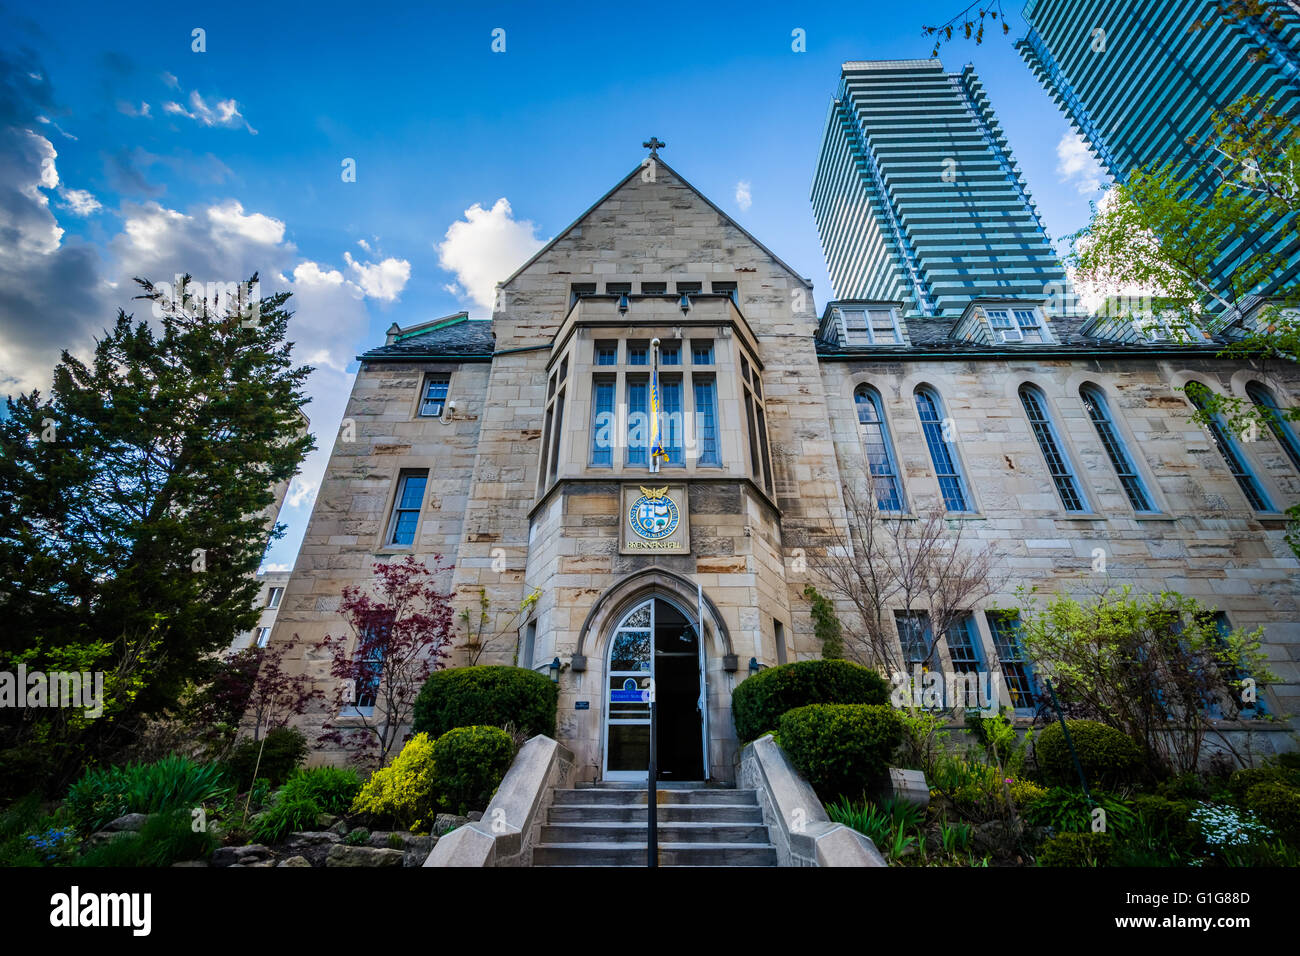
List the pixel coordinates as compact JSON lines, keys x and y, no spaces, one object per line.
{"x":134,"y":497}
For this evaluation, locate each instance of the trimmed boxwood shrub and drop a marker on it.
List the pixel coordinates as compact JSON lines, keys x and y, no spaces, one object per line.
{"x":490,"y":694}
{"x":1109,"y":757}
{"x":758,"y":703}
{"x":1278,"y":806}
{"x":1076,"y":849}
{"x":842,"y":750}
{"x":1247,"y":778}
{"x":286,"y":748}
{"x":468,"y":764}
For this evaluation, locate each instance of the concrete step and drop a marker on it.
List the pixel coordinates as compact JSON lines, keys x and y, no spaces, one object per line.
{"x":666,"y":813}
{"x":599,"y":796}
{"x":753,"y":834}
{"x":670,"y":854}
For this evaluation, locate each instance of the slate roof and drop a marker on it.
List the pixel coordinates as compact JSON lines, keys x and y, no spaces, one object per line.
{"x":934,"y":336}
{"x":459,"y":339}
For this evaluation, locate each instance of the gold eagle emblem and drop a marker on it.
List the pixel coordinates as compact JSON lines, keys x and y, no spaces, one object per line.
{"x":653,"y":494}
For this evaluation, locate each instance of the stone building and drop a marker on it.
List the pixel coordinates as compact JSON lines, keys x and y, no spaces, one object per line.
{"x":513,"y":448}
{"x":269,"y":594}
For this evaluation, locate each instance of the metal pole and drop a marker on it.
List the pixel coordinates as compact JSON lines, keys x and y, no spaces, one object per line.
{"x":1069,"y":741}
{"x":652,"y":794}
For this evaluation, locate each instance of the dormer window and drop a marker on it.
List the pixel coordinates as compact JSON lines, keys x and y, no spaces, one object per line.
{"x":1016,"y":326}
{"x":870,"y":326}
{"x":1164,"y":328}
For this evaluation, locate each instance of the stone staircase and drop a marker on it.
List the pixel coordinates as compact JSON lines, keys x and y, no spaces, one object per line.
{"x":698,"y":826}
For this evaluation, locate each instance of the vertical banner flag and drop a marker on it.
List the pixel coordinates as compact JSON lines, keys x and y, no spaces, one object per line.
{"x":657,"y":452}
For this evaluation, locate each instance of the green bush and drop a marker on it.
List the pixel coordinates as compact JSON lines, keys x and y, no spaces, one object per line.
{"x":1076,"y":849}
{"x":1278,"y":807}
{"x":468,"y":764}
{"x":1168,"y":821}
{"x":332,"y":788}
{"x":1289,"y":760}
{"x":1108,"y":756}
{"x":1247,"y":778}
{"x":759,"y":701}
{"x":290,"y":813}
{"x":1067,"y":810}
{"x":402,"y":794}
{"x":166,"y":838}
{"x":285,"y":748}
{"x":494,"y":695}
{"x":103,"y":794}
{"x":842,"y":750}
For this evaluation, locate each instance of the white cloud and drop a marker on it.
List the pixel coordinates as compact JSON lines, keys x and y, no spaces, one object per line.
{"x":221,"y":113}
{"x":363,"y":244}
{"x":273,"y":567}
{"x":80,"y":202}
{"x":171,"y":81}
{"x":484,"y":248}
{"x":1076,"y":165}
{"x":302,"y":490}
{"x":380,"y":280}
{"x":130,"y":109}
{"x":744,"y":199}
{"x":229,"y":218}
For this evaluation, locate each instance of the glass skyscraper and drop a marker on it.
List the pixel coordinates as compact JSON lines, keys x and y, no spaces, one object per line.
{"x":1137,"y":81}
{"x":917,"y":197}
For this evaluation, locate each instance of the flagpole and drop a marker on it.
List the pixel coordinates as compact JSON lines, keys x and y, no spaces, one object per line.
{"x":655,"y":438}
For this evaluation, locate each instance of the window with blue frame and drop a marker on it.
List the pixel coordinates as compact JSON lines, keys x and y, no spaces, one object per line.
{"x":916,"y":640}
{"x":1246,"y":709}
{"x":1231,"y":452}
{"x":406,"y":509}
{"x":1273,"y":414}
{"x":879,"y":449}
{"x":701,"y":351}
{"x":1094,"y":402}
{"x":638,"y":353}
{"x":670,"y":353}
{"x":943,"y":453}
{"x":1049,"y":443}
{"x":706,"y":419}
{"x":606,"y":353}
{"x":967,"y":658}
{"x":602,"y":421}
{"x":670,"y":397}
{"x":370,"y":668}
{"x":1017,"y":672}
{"x":638,"y":421}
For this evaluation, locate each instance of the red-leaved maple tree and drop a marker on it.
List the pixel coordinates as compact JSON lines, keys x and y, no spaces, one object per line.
{"x":400,"y":635}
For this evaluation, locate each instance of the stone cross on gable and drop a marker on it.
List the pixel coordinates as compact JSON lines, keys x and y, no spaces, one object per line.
{"x":654,"y":145}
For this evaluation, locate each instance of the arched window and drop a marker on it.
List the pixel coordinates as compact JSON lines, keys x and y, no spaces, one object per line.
{"x":1058,"y":462}
{"x":1198,"y":394}
{"x":1099,"y":411}
{"x":943,"y":452}
{"x":879,"y":449}
{"x":1277,"y":422}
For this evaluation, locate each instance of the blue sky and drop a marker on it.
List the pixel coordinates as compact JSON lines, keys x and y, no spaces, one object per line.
{"x":235,"y":164}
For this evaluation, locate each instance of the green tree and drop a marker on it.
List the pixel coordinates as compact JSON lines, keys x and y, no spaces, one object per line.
{"x":1156,"y":667}
{"x":134,"y":497}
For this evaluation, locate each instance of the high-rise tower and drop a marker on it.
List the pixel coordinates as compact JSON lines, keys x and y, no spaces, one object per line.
{"x":1137,"y":79}
{"x":917,"y":197}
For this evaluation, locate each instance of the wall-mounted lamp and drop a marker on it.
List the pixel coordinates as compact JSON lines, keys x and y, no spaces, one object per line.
{"x":447,"y":411}
{"x":622,"y":304}
{"x":555,"y":671}
{"x":684,"y":303}
{"x":753,"y":665}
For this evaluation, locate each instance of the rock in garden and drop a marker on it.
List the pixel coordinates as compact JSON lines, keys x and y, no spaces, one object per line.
{"x":100,"y":837}
{"x":326,"y":820}
{"x":475,"y":816}
{"x":418,"y":849}
{"x":297,"y":861}
{"x":312,"y":838}
{"x":131,"y":821}
{"x":191,"y":863}
{"x":448,"y":821}
{"x":343,"y":855}
{"x":341,"y":828}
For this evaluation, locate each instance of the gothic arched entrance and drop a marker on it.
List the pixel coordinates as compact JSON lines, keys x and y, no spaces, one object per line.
{"x":655,"y":640}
